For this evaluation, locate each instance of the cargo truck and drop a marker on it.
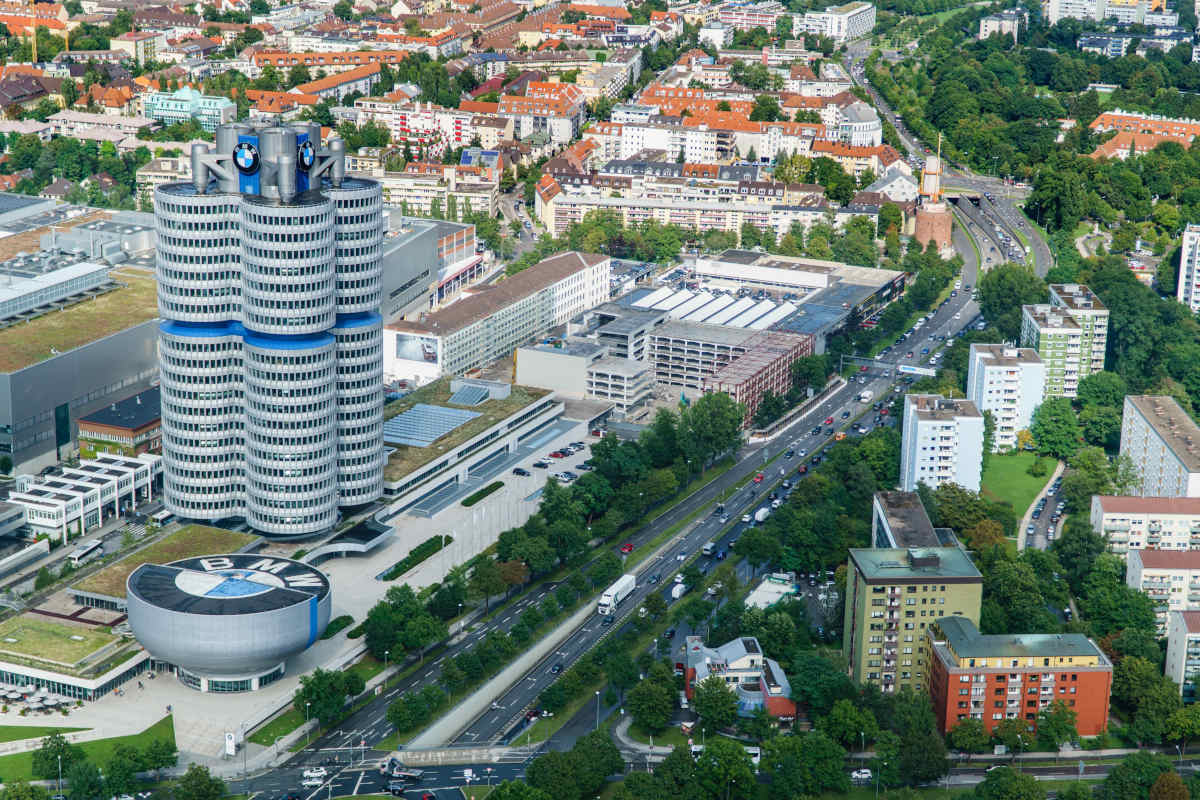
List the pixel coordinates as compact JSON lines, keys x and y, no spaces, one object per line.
{"x":614,"y":594}
{"x":761,"y":515}
{"x":678,"y":591}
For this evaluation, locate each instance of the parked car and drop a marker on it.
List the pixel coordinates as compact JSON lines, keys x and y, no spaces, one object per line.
{"x":316,"y":772}
{"x":520,"y":471}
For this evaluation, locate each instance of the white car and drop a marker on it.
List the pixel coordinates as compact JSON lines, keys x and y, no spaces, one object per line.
{"x":311,"y":783}
{"x":860,"y":775}
{"x":316,"y":772}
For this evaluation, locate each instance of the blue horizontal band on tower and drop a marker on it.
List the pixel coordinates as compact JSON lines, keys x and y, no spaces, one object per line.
{"x":361,"y":320}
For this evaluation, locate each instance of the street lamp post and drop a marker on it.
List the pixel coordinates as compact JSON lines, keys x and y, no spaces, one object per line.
{"x":597,"y":709}
{"x":1178,"y":748}
{"x":863,"y":753}
{"x":306,"y":730}
{"x":60,"y":775}
{"x":386,"y":653}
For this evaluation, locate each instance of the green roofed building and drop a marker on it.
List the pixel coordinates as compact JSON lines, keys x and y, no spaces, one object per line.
{"x":892,"y":596}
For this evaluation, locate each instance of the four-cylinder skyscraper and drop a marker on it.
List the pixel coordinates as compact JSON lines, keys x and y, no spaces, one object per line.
{"x":270,"y":358}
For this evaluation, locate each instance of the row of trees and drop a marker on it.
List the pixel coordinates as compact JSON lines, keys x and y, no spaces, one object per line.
{"x":82,"y":777}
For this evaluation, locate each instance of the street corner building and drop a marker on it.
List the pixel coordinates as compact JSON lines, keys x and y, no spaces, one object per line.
{"x":270,"y":354}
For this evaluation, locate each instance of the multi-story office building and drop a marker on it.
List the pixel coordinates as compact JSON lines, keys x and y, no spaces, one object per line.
{"x":479,"y":329}
{"x":270,"y":346}
{"x":1070,"y":333}
{"x":583,"y":368}
{"x":1009,"y":382}
{"x":941,"y":442}
{"x":185,"y":104}
{"x":1183,"y":651}
{"x":840,"y":23}
{"x":1136,"y":523}
{"x":1000,"y":676}
{"x":893,"y":596}
{"x":1188,"y":291}
{"x":1163,"y":443}
{"x":1170,"y":578}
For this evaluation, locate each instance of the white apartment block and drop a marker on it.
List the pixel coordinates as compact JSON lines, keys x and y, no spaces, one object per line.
{"x":1183,"y":651}
{"x":1163,"y":443}
{"x":840,"y":23}
{"x":1070,"y":333}
{"x":1009,"y":382}
{"x":1141,"y":12}
{"x":941,"y":442}
{"x":1006,"y":23}
{"x":1140,"y":523}
{"x":82,"y":498}
{"x":1170,"y":578}
{"x":1188,"y":290}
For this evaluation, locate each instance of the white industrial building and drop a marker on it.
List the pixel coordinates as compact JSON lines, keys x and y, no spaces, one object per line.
{"x":1010,"y":383}
{"x":941,"y":442}
{"x":1163,"y":443}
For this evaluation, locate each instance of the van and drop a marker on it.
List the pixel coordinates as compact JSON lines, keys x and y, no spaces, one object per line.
{"x":709,"y":548}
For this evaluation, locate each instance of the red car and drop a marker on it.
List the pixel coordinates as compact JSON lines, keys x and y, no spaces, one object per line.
{"x":829,"y":420}
{"x":627,"y":548}
{"x":558,"y":454}
{"x":863,"y":368}
{"x":883,"y":411}
{"x":758,"y":478}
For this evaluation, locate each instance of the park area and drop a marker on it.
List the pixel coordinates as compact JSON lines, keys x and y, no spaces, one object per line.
{"x":1006,"y":478}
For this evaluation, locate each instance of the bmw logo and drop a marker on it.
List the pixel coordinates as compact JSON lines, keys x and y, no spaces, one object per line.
{"x":306,"y":154}
{"x":245,"y":156}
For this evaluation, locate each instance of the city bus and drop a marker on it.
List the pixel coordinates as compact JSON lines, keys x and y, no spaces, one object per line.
{"x":86,"y":552}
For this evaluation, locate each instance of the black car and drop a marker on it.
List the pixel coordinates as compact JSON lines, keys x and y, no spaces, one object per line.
{"x":541,"y":464}
{"x":829,"y":431}
{"x":608,"y":621}
{"x":789,"y":454}
{"x":816,"y":460}
{"x":845,"y":415}
{"x":655,"y":578}
{"x":815,"y":431}
{"x":556,"y":669}
{"x":524,"y":473}
{"x":669,"y":633}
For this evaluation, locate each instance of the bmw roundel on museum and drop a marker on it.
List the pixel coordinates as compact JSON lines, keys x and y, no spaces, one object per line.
{"x":228,"y":622}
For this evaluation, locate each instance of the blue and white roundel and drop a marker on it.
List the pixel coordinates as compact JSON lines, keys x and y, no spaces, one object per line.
{"x":245,"y":156}
{"x":228,"y":583}
{"x":306,"y":155}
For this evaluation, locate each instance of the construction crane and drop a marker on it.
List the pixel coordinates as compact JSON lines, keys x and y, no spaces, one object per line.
{"x":33,"y":26}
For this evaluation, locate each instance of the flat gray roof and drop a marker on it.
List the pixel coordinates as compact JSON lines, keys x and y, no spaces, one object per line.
{"x":928,"y":564}
{"x":1178,"y":431}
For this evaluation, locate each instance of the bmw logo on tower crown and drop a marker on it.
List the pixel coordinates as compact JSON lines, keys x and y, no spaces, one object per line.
{"x":270,"y":349}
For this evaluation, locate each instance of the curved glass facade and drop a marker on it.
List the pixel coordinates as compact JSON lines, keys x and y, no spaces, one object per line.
{"x":270,"y":352}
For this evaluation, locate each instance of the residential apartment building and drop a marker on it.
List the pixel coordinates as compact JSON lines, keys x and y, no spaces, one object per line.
{"x":431,"y":189}
{"x":756,"y":681}
{"x":1188,"y":290}
{"x":490,"y":324}
{"x":1170,"y":578}
{"x":1163,"y":443}
{"x":899,"y":520}
{"x":168,"y":108}
{"x":746,"y":16}
{"x":1001,"y":676}
{"x":893,"y":596}
{"x":1010,"y":383}
{"x":1070,"y":334}
{"x":1137,"y":122}
{"x":338,"y":85}
{"x":553,"y":109}
{"x":159,"y":171}
{"x":1136,"y":523}
{"x":330,"y":62}
{"x":141,"y":46}
{"x":1183,"y":652}
{"x":840,"y":23}
{"x":941,"y":442}
{"x":79,"y":124}
{"x":1142,"y":12}
{"x":1006,"y":23}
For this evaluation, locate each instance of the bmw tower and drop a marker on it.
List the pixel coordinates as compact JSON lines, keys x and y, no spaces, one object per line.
{"x":270,"y":358}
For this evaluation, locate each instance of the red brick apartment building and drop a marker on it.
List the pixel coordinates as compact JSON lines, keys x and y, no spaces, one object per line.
{"x":994,"y":677}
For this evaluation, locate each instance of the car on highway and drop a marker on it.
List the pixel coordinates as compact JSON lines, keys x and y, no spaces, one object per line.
{"x":845,"y":415}
{"x":724,"y":518}
{"x":679,"y":577}
{"x":316,"y":772}
{"x":627,"y":548}
{"x":789,"y":454}
{"x":521,"y":472}
{"x":653,"y":579}
{"x":682,"y":556}
{"x":758,"y":478}
{"x":746,"y":518}
{"x":556,"y":669}
{"x":311,"y":783}
{"x":863,"y":368}
{"x":829,"y":420}
{"x":815,"y":431}
{"x":1030,"y":529}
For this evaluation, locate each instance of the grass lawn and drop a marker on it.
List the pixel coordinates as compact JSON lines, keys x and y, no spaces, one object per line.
{"x":15,"y":733}
{"x":282,"y":725}
{"x":1006,"y":478}
{"x":476,"y":792}
{"x":46,"y":640}
{"x":19,"y":766}
{"x":187,"y":542}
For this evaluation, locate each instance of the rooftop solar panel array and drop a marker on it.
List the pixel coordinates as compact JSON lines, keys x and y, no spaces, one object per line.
{"x":470,"y":396}
{"x":423,"y":424}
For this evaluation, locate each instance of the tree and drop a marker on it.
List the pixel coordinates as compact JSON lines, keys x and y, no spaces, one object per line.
{"x":724,"y":770}
{"x":1055,"y":428}
{"x":198,"y":784}
{"x":1002,"y":292}
{"x":160,"y":754}
{"x":120,"y":775}
{"x":651,"y":705}
{"x":1014,"y":734}
{"x":848,"y":724}
{"x":804,"y":765}
{"x":21,"y":790}
{"x":554,"y":774}
{"x":1134,"y":776}
{"x":518,"y":790}
{"x":46,"y":757}
{"x":487,"y":579}
{"x":322,"y":695}
{"x":596,"y":758}
{"x":1006,"y":783}
{"x":969,"y":736}
{"x":1169,"y":786}
{"x":84,"y":782}
{"x":985,"y":535}
{"x":1105,"y":389}
{"x":1056,"y":725}
{"x":715,"y":703}
{"x":1184,"y":725}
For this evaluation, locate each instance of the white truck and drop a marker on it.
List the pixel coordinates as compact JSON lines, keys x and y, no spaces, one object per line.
{"x":865,"y":397}
{"x":709,"y":548}
{"x":614,"y":594}
{"x":678,"y":591}
{"x":761,"y":515}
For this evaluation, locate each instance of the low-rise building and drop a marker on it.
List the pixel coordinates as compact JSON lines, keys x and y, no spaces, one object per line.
{"x":336,"y":86}
{"x":1171,"y":579}
{"x":130,"y":427}
{"x":765,"y":366}
{"x":1163,"y":443}
{"x":1004,"y":676}
{"x":840,"y":23}
{"x":583,"y":368}
{"x":757,"y":682}
{"x":893,"y":596}
{"x":1137,"y":523}
{"x":1010,"y":383}
{"x":1005,"y":23}
{"x":186,"y":104}
{"x":941,"y":442}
